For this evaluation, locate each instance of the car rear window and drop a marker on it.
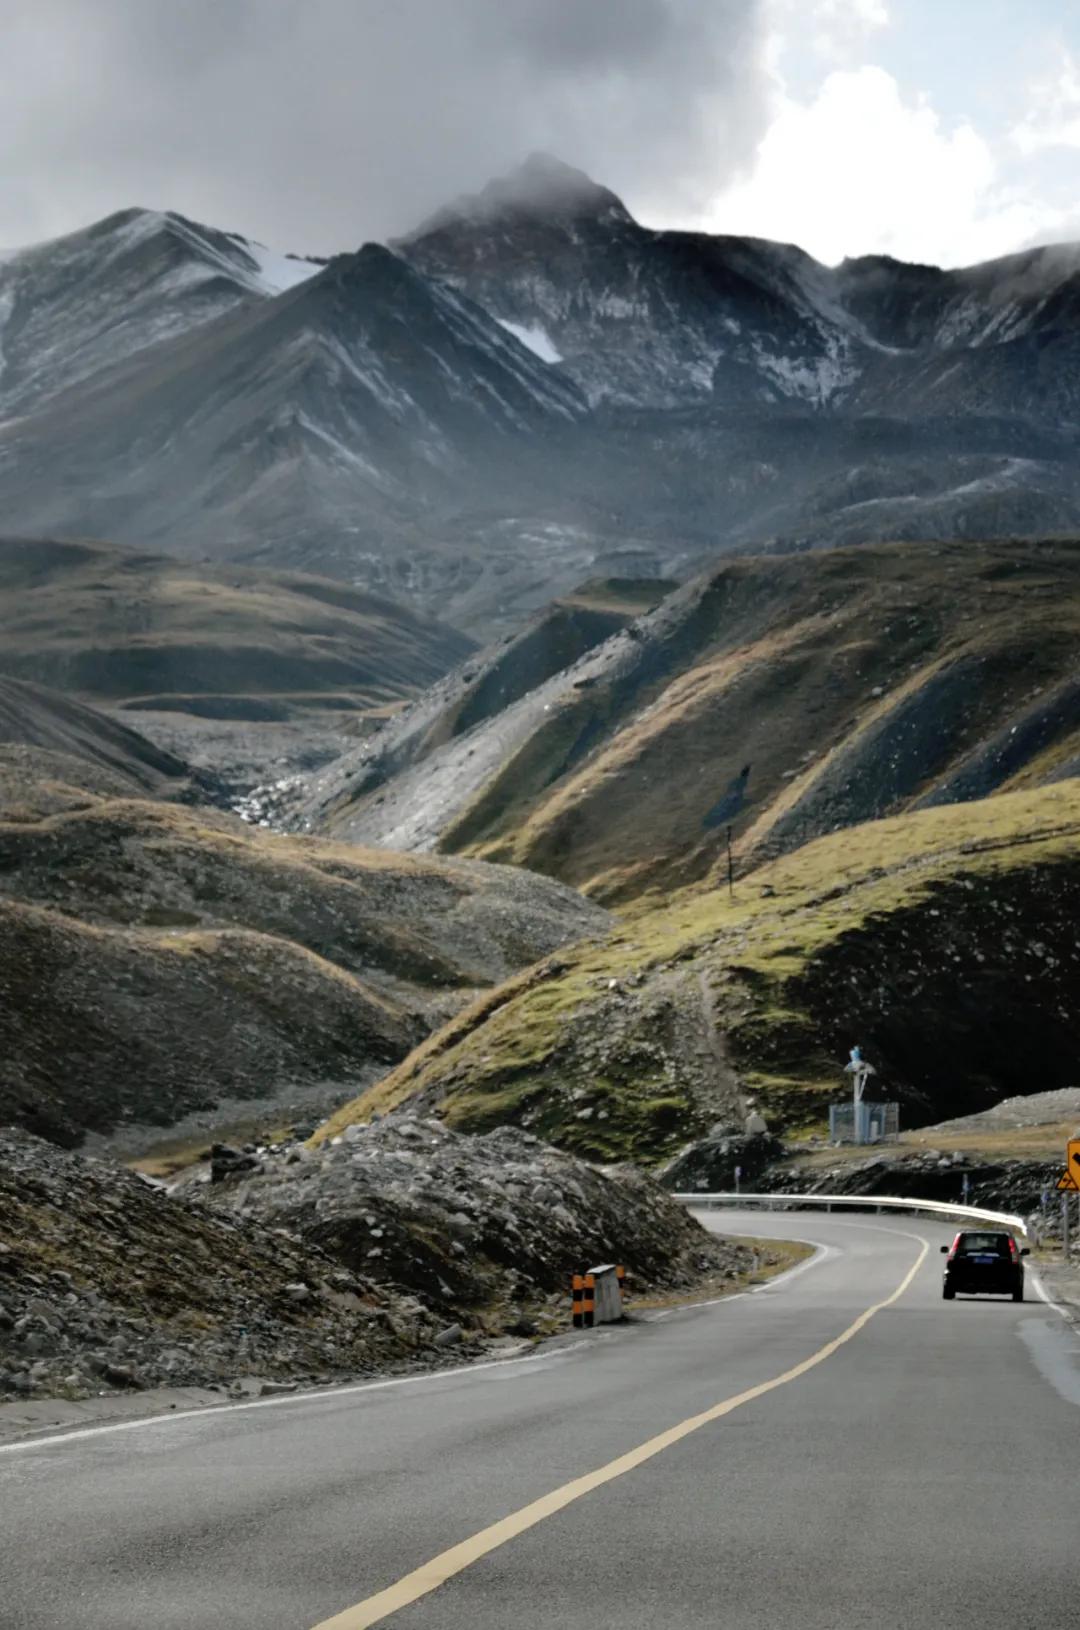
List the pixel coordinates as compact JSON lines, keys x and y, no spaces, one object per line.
{"x":976,"y":1244}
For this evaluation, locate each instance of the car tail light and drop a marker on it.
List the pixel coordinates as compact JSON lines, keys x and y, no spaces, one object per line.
{"x":954,"y":1247}
{"x":1013,"y":1252}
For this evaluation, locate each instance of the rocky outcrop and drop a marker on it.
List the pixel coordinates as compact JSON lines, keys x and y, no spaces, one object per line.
{"x":107,"y":1283}
{"x":400,"y":1245}
{"x":483,"y":1229}
{"x":721,"y":1162}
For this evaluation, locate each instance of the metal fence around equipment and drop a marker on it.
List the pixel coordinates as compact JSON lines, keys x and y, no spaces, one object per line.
{"x":878,"y":1122}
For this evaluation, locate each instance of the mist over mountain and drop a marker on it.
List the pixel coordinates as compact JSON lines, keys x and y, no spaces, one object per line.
{"x":529,"y":390}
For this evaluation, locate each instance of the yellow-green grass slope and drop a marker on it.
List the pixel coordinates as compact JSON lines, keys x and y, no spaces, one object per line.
{"x":855,"y":684}
{"x":944,"y":942}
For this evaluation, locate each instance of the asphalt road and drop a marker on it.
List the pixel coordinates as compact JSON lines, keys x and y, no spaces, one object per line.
{"x":924,"y":1471}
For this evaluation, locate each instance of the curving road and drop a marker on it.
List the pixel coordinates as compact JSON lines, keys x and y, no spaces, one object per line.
{"x":800,"y":1454}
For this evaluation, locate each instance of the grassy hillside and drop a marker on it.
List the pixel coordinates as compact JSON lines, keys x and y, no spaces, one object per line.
{"x":156,"y":960}
{"x":944,"y":942}
{"x":119,"y":626}
{"x":786,"y":695}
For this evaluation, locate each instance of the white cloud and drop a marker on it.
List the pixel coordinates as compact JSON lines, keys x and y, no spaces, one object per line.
{"x":856,"y":169}
{"x":834,"y":32}
{"x":1054,"y":121}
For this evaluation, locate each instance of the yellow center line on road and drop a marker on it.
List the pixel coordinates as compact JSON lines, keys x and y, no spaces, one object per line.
{"x":423,"y":1580}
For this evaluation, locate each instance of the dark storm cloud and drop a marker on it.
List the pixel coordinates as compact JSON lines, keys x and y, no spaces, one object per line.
{"x":314,"y":123}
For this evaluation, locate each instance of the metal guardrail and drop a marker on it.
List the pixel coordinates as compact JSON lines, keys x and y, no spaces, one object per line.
{"x":861,"y":1202}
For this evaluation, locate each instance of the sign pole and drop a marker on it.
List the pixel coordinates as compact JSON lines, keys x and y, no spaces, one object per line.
{"x":1065,"y":1226}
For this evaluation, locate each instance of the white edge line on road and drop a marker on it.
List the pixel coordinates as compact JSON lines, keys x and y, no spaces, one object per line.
{"x":81,"y":1433}
{"x":821,"y":1254}
{"x":209,"y":1411}
{"x":1040,"y":1291}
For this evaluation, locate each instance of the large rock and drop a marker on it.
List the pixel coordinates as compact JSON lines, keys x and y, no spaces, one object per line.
{"x":709,"y":1166}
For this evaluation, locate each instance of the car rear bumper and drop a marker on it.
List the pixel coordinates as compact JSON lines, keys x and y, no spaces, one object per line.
{"x":984,"y":1284}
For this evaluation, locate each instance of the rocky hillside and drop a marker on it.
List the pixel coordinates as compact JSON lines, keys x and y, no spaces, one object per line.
{"x":57,"y":754}
{"x":469,"y":721}
{"x":408,"y":1246}
{"x":482,"y":1229}
{"x":532,"y":389}
{"x":785,"y":696}
{"x":942,"y":941}
{"x":142,"y":631}
{"x":158,"y":961}
{"x":108,"y":1284}
{"x":117,"y":289}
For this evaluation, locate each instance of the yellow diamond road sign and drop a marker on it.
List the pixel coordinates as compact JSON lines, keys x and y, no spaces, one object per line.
{"x":1068,"y":1182}
{"x":1072,"y":1158}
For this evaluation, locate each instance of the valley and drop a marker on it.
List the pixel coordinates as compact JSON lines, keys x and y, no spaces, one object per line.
{"x":486,"y":722}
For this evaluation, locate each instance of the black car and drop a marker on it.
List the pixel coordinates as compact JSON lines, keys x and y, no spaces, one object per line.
{"x":984,"y":1263}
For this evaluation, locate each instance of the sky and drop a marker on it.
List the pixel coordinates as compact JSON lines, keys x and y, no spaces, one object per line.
{"x":945,"y":131}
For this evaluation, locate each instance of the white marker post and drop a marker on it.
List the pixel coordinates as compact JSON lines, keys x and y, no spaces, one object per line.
{"x":859,"y":1070}
{"x":738,"y":1175}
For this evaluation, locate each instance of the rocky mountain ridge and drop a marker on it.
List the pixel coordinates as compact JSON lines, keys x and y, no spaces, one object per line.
{"x":534,"y":389}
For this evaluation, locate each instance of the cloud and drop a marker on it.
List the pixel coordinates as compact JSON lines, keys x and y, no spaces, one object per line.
{"x":1054,"y":121}
{"x":315,"y":123}
{"x":857,"y":169}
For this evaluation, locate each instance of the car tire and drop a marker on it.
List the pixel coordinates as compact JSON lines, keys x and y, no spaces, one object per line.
{"x":948,"y":1293}
{"x":1018,"y":1295}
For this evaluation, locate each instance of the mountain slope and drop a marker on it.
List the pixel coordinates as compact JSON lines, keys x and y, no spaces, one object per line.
{"x":356,"y":399}
{"x":639,"y":317}
{"x":157,"y":961}
{"x":534,"y":390}
{"x":54,"y":752}
{"x":649,"y":319}
{"x":141,"y":629}
{"x":73,"y":307}
{"x":847,"y":685}
{"x":942,"y":941}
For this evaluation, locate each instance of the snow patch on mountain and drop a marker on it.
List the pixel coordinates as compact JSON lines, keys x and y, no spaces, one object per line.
{"x":536,"y":338}
{"x":813,"y":379}
{"x":276,"y":273}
